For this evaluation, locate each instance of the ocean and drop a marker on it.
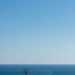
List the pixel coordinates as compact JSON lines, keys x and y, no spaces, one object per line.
{"x":37,"y":69}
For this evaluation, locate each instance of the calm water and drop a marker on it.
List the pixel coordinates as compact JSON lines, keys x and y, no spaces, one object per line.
{"x":38,"y":69}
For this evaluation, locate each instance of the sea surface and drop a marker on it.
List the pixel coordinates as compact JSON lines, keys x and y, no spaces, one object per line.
{"x":37,"y":69}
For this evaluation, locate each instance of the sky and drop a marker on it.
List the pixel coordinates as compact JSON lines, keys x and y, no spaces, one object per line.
{"x":37,"y":31}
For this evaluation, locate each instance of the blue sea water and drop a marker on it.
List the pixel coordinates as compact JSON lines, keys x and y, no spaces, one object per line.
{"x":38,"y":69}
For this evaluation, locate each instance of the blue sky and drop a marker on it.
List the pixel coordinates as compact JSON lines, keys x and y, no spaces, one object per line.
{"x":37,"y":31}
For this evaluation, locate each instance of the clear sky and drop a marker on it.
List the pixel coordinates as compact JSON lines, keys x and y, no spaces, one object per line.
{"x":37,"y":31}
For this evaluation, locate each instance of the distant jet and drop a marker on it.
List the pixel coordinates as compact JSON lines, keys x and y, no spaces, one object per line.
{"x":37,"y":19}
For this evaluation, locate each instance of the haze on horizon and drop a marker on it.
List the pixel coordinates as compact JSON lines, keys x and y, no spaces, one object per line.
{"x":37,"y":31}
